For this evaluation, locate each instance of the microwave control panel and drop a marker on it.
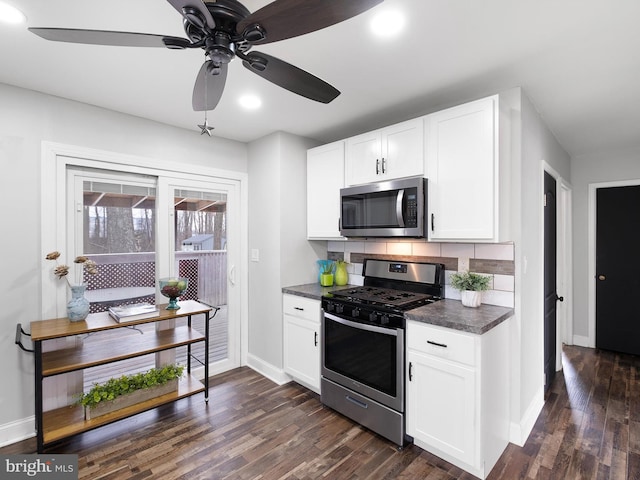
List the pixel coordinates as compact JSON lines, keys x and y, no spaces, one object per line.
{"x":411,"y":209}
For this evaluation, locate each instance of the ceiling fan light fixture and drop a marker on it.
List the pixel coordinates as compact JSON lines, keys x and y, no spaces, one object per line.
{"x":388,"y":23}
{"x":10,"y":14}
{"x":250,"y":102}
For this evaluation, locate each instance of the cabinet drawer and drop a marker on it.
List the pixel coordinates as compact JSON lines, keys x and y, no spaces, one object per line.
{"x":302,"y":307}
{"x":441,"y":342}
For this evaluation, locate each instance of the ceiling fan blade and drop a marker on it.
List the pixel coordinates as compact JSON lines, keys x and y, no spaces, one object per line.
{"x":209,"y":87}
{"x":198,"y":5}
{"x":289,"y":77}
{"x":290,"y":18}
{"x":105,"y":37}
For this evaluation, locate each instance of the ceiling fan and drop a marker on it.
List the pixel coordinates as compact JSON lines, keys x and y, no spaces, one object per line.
{"x":226,"y":29}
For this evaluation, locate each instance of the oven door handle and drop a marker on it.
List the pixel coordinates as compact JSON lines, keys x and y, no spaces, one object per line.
{"x":399,"y":202}
{"x":362,"y":326}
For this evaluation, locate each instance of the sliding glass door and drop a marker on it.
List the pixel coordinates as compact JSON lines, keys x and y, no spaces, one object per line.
{"x":138,"y":228}
{"x":201,"y":244}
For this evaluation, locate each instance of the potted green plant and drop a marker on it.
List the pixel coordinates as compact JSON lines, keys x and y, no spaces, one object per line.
{"x":471,"y":286}
{"x":128,"y":390}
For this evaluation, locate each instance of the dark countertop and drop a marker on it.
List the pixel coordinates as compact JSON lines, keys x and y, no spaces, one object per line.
{"x":445,"y":313}
{"x":452,"y":314}
{"x":313,"y":290}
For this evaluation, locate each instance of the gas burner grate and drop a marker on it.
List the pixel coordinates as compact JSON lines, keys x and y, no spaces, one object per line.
{"x":382,"y":296}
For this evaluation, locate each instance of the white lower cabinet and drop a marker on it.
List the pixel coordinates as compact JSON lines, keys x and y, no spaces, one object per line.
{"x":457,"y":394}
{"x":302,"y":340}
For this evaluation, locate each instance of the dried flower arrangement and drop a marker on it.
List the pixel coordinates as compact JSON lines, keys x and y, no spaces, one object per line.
{"x":62,"y":271}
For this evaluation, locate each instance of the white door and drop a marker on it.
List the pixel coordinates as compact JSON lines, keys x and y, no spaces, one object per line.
{"x":201,"y":222}
{"x":142,"y":227}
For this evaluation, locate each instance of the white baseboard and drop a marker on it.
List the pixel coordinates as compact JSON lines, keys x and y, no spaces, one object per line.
{"x":17,"y":431}
{"x":582,"y":341}
{"x":274,"y":374}
{"x":519,"y":432}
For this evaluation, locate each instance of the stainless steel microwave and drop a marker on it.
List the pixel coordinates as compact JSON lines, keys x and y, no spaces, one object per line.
{"x":396,"y":208}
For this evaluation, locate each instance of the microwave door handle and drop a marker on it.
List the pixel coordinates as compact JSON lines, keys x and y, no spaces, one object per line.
{"x":399,"y":202}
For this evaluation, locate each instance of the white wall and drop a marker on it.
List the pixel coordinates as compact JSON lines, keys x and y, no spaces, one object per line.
{"x":277,"y":230}
{"x":538,"y":145}
{"x":26,"y":120}
{"x":587,"y":169}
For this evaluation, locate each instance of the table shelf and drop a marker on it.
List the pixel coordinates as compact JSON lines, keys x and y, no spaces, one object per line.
{"x":67,"y":421}
{"x":55,"y":425}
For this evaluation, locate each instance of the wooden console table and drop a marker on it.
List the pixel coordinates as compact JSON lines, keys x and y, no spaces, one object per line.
{"x":55,"y":425}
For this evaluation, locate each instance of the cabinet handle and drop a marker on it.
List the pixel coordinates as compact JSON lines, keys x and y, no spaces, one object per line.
{"x":315,"y":339}
{"x":383,"y":164}
{"x":377,"y":166}
{"x":433,"y":222}
{"x":299,"y":308}
{"x":436,"y":344}
{"x":410,"y":367}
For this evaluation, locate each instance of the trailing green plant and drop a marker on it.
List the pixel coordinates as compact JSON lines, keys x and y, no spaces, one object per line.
{"x":115,"y":387}
{"x":470,"y":281}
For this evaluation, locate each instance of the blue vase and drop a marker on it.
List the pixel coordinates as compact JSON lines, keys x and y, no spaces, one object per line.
{"x":78,"y":306}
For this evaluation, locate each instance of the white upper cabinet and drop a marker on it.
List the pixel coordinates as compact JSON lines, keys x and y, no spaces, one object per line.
{"x":325,"y":178}
{"x":393,"y":152}
{"x":462,"y":168}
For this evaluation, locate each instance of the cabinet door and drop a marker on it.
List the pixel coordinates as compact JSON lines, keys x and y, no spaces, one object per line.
{"x":403,"y":150}
{"x":302,"y":351}
{"x":325,"y":178}
{"x":363,"y":158}
{"x":440,"y":405}
{"x":462,"y":168}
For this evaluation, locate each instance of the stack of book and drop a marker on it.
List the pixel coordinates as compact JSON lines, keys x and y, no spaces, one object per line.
{"x":137,"y":311}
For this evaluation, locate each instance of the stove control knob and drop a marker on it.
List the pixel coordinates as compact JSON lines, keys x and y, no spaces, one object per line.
{"x":355,"y":313}
{"x":384,"y":320}
{"x":330,"y":307}
{"x":339,"y":308}
{"x":373,"y":317}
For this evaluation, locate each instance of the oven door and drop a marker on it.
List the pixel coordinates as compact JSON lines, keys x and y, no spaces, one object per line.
{"x":364,"y":358}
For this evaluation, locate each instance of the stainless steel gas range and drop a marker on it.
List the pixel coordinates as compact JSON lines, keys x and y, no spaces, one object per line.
{"x":363,"y":340}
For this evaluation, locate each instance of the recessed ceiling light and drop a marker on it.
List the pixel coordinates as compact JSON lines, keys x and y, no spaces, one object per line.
{"x":250,"y":102}
{"x":9,"y":14}
{"x":388,"y":23}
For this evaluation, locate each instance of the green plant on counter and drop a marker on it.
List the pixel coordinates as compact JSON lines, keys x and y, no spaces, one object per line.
{"x":115,"y":387}
{"x":470,"y":281}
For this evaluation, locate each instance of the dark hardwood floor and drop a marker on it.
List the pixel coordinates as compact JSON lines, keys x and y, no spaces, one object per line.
{"x":253,"y":429}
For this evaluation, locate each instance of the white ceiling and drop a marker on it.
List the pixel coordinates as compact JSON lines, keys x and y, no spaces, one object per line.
{"x":577,"y":60}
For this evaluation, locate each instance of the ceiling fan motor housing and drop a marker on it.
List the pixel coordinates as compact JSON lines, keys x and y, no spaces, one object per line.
{"x":220,"y":48}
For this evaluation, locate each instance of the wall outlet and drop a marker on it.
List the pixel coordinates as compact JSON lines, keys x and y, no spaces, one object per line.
{"x":255,"y":255}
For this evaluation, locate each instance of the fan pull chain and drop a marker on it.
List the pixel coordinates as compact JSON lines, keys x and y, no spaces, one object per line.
{"x":205,"y":126}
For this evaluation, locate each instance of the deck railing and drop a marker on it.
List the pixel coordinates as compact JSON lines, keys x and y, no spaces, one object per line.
{"x":206,"y":270}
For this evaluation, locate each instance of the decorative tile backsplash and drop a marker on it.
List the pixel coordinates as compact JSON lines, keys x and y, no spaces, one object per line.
{"x":495,"y":260}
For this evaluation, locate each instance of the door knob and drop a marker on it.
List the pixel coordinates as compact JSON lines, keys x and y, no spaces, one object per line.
{"x":601,"y":277}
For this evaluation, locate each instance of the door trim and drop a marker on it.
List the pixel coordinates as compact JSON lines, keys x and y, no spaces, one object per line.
{"x":590,"y":341}
{"x":564,"y":264}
